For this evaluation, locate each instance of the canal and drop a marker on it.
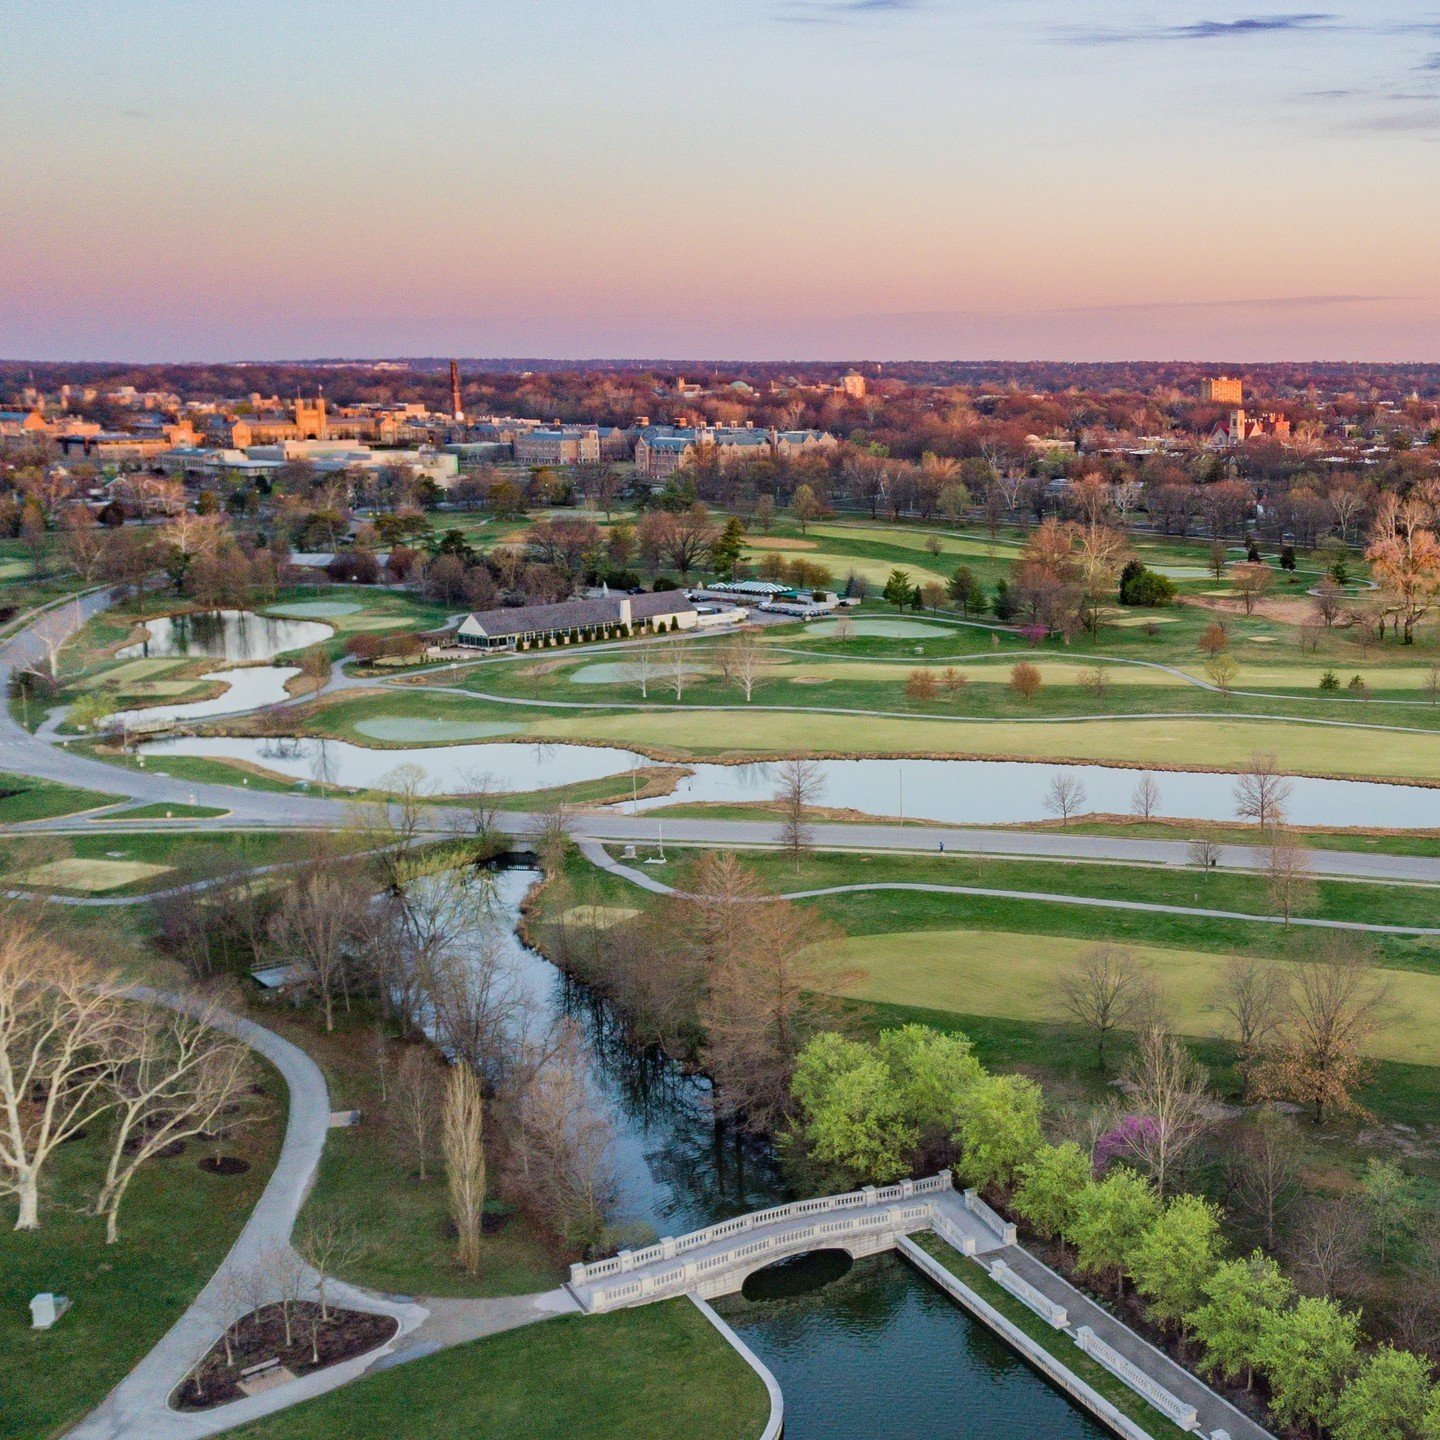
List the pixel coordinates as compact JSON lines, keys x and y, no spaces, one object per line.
{"x":863,"y":1352}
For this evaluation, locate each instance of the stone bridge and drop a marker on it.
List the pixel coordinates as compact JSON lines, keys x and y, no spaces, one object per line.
{"x":715,"y":1261}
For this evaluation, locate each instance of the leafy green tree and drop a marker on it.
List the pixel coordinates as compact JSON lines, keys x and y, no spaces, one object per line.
{"x":1109,"y":1219}
{"x":930,"y":1072}
{"x":1176,"y":1256}
{"x":999,"y":1128}
{"x":1306,"y":1353}
{"x":898,"y":589}
{"x":1230,"y":1318}
{"x":849,"y":1110}
{"x":1390,"y":1203}
{"x":1387,"y":1400}
{"x":1050,"y":1181}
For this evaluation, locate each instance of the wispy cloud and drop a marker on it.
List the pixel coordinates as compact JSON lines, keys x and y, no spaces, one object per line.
{"x":834,"y":12}
{"x":1246,"y":27}
{"x":1277,"y":302}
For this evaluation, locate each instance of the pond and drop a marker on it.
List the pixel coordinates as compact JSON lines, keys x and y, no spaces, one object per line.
{"x":955,"y":792}
{"x":862,"y":1352}
{"x":239,"y":636}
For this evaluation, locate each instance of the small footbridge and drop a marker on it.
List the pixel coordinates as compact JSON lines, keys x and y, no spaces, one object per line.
{"x":715,"y":1261}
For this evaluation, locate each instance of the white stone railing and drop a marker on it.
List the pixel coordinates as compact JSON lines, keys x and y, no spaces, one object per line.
{"x":1171,"y":1406}
{"x":951,"y":1233}
{"x":669,"y":1248}
{"x":987,"y":1217}
{"x":1028,"y":1295}
{"x":614,"y":1291}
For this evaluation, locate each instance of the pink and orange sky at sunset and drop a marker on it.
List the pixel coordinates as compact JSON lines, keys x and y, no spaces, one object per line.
{"x":765,"y":178}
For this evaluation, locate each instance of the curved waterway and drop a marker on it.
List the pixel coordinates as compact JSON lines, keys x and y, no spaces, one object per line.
{"x":954,"y":792}
{"x":864,"y":1352}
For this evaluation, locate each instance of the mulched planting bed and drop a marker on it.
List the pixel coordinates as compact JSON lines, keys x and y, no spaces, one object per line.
{"x":224,"y":1165}
{"x":260,"y":1336}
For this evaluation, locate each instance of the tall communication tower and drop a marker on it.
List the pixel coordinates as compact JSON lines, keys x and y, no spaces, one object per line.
{"x":456,"y":413}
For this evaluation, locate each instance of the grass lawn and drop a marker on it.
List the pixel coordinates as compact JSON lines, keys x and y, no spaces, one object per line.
{"x":22,"y":798}
{"x":408,"y":1249}
{"x":161,"y":811}
{"x":972,"y":1274}
{"x":175,"y":1227}
{"x":1012,"y":975}
{"x":659,"y":1370}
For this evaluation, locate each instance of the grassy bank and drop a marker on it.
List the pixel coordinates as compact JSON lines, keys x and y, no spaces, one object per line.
{"x":661,"y":1370}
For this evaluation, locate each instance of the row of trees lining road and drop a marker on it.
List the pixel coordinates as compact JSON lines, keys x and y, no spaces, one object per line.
{"x":915,"y":1098}
{"x":76,"y":1053}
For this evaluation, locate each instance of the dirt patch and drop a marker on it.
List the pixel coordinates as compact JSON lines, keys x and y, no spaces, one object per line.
{"x":93,"y":877}
{"x":1283,"y":610}
{"x":315,"y":1344}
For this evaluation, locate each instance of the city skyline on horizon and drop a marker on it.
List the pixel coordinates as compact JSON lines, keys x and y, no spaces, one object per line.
{"x":1003,"y":181}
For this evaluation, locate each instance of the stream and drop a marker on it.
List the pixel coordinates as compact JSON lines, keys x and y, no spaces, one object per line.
{"x":863,"y":1352}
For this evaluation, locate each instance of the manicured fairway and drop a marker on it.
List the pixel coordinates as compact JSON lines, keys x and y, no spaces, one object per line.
{"x":1177,"y":742}
{"x":988,"y":972}
{"x":22,"y":798}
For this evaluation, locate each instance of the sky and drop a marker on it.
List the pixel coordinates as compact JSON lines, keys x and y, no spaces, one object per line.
{"x":747,"y":179}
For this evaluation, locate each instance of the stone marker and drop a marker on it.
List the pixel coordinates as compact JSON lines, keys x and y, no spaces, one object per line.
{"x":46,"y":1309}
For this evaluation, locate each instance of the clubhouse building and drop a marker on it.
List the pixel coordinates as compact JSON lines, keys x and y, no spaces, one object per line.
{"x":607,"y":617}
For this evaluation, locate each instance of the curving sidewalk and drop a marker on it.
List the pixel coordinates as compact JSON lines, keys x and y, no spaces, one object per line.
{"x":598,"y":856}
{"x":138,"y":1407}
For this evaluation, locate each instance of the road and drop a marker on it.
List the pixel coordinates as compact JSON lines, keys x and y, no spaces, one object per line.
{"x":249,"y":807}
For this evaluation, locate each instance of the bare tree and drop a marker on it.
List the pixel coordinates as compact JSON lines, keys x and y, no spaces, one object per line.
{"x":1327,"y":1247}
{"x":1106,"y":988}
{"x":564,"y":1140}
{"x":1172,"y":1089}
{"x":282,"y":1278}
{"x":58,"y":1019}
{"x":328,"y":1243}
{"x":642,"y":667}
{"x":415,"y":1105}
{"x":1288,"y":879}
{"x":462,"y":1139}
{"x":1065,"y":795}
{"x":173,"y":1076}
{"x":1205,"y":851}
{"x":801,"y":784}
{"x":1145,"y":799}
{"x":1253,"y":994}
{"x":472,"y":996}
{"x":749,"y":659}
{"x":1265,"y":1173}
{"x":230,"y":1302}
{"x":678,"y":666}
{"x":1262,"y":792}
{"x":317,"y":926}
{"x":477,"y":801}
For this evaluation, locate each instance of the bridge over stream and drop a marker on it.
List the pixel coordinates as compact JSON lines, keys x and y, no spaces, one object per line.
{"x":715,"y":1261}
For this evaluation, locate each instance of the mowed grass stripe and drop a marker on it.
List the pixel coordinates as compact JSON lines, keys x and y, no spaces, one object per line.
{"x":1012,"y":976}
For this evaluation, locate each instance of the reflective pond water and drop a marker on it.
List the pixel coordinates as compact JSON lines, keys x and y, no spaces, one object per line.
{"x":239,"y":636}
{"x":245,"y":689}
{"x":866,"y":1352}
{"x":960,"y":792}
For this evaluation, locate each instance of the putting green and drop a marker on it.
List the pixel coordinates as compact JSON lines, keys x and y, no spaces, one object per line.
{"x":892,"y":629}
{"x":91,"y":876}
{"x":402,"y":728}
{"x":1012,"y":975}
{"x":622,"y":672}
{"x":315,"y":609}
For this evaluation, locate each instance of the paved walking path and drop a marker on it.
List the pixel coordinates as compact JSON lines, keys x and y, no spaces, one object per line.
{"x":1215,"y":1413}
{"x":598,"y":856}
{"x":138,"y":1407}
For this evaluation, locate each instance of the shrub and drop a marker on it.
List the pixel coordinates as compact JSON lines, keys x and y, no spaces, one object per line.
{"x":1026,"y":680}
{"x":1329,"y":681}
{"x":1142,"y":586}
{"x":921,"y":685}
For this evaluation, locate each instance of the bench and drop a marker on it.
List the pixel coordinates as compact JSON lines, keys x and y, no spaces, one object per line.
{"x":250,"y":1371}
